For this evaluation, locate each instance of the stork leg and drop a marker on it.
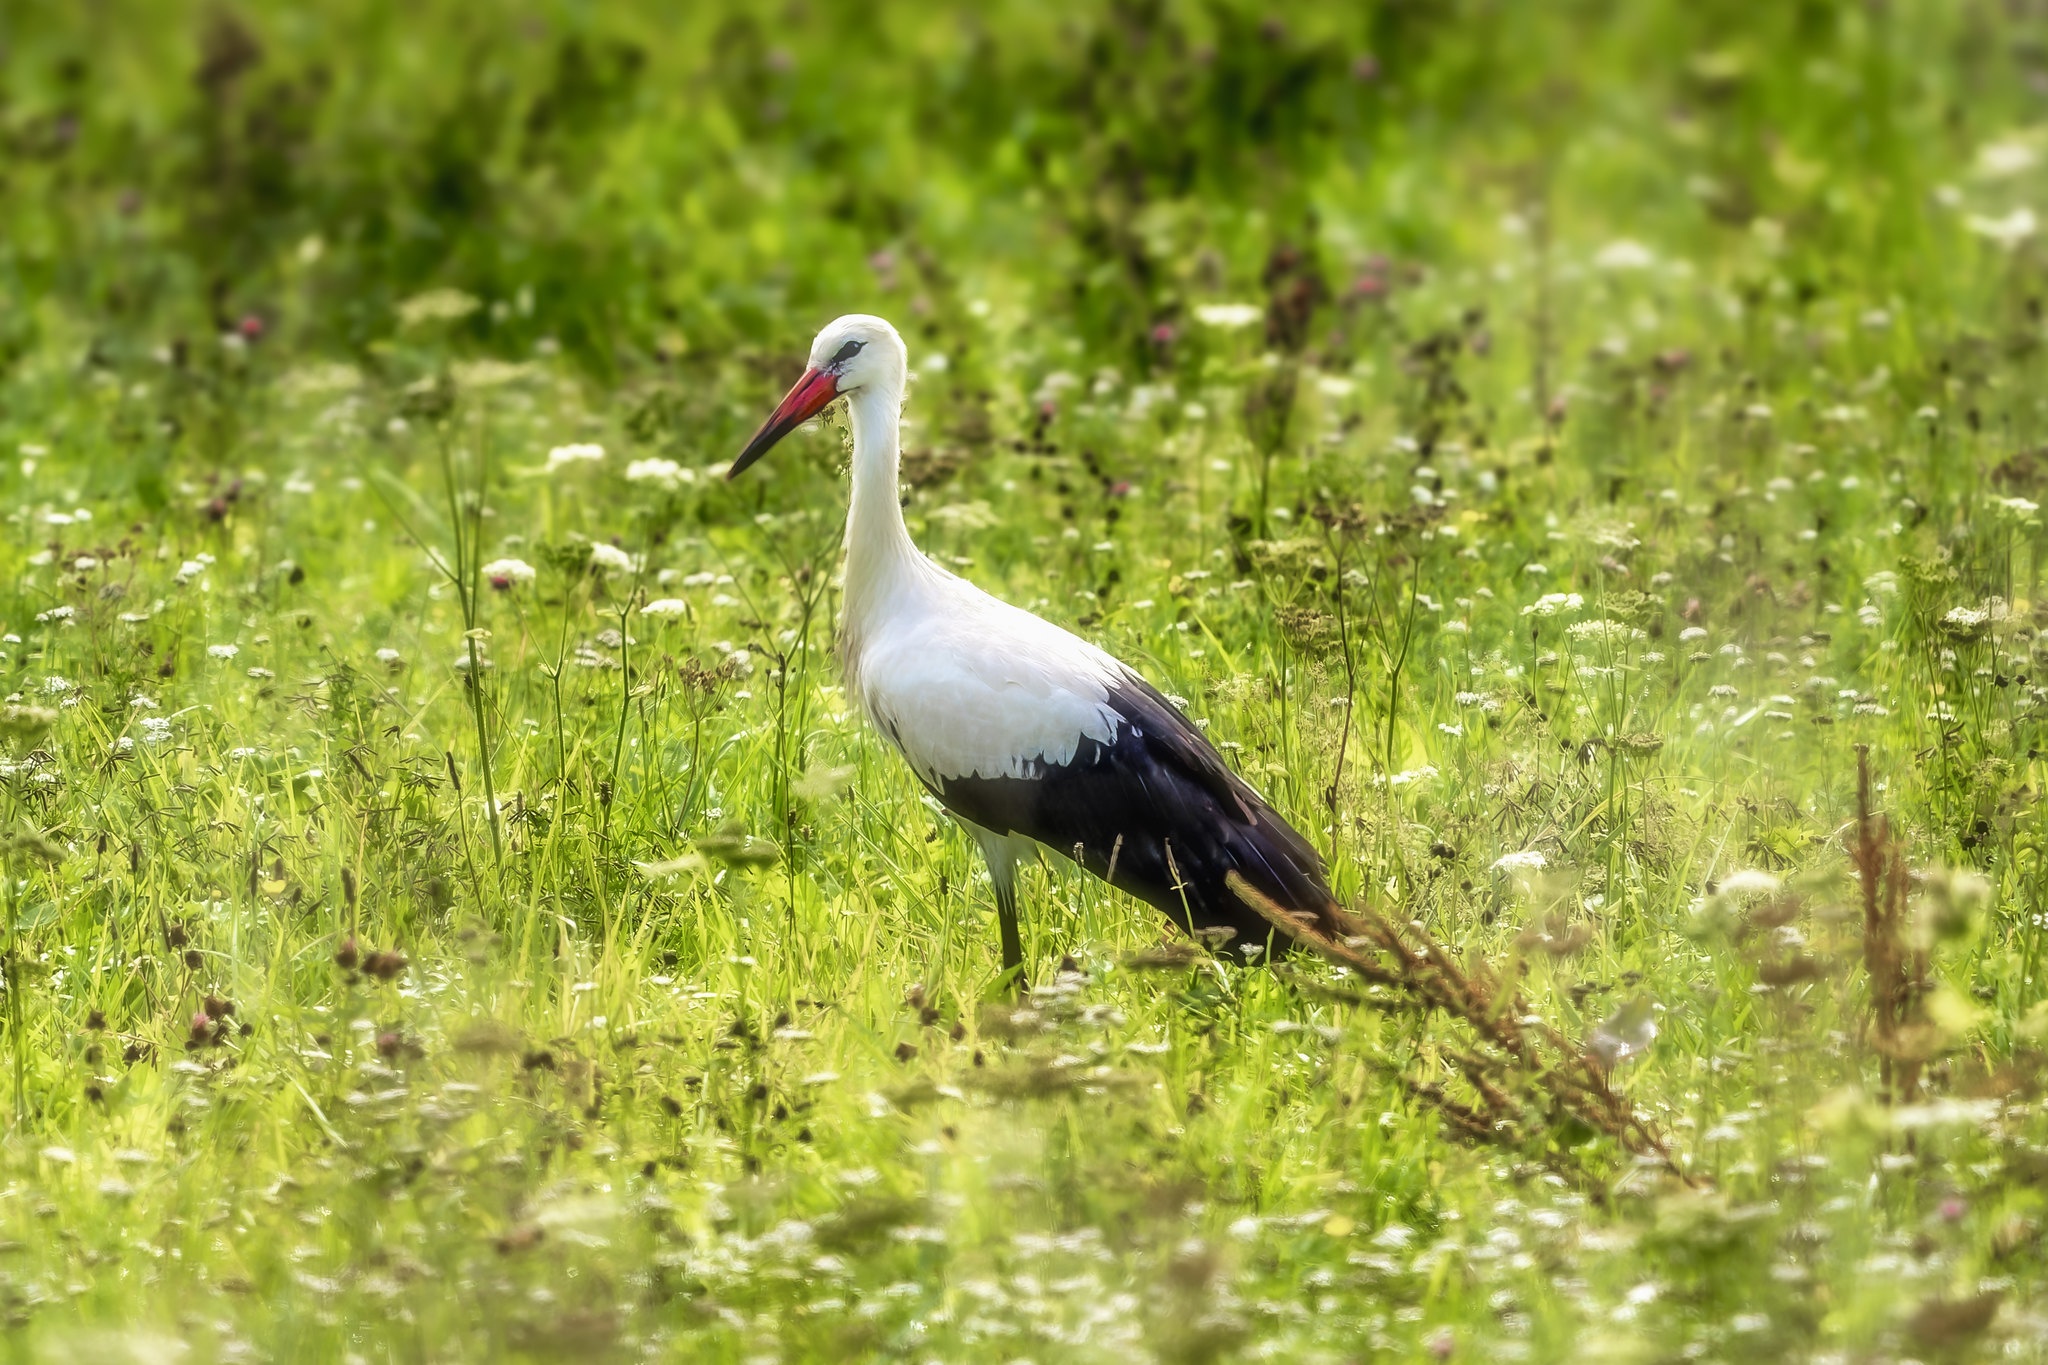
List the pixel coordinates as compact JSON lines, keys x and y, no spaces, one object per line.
{"x":1000,"y":851}
{"x":1006,"y":922}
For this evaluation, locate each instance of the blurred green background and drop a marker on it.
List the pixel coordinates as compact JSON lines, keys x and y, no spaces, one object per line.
{"x":644,"y":183}
{"x":1719,"y":318}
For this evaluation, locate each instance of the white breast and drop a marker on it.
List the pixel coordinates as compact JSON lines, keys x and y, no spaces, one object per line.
{"x":970,"y":686}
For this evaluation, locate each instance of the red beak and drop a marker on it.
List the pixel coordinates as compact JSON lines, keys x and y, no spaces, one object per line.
{"x":805,"y":401}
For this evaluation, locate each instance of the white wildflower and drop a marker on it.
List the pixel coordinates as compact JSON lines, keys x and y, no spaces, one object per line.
{"x":610,"y":558}
{"x":1998,"y":160}
{"x":666,"y":606}
{"x":1228,"y":316}
{"x":1551,"y":603}
{"x":666,"y":473}
{"x":1624,"y":255}
{"x":1604,"y":630}
{"x":223,"y":651}
{"x":577,"y":453}
{"x":1528,"y":860}
{"x":504,"y":573}
{"x":436,"y":305}
{"x":1749,"y":881}
{"x":1965,"y":620}
{"x":2007,"y":231}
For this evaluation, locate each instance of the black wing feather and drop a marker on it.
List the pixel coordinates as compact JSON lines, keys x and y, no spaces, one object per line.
{"x":1157,"y":812}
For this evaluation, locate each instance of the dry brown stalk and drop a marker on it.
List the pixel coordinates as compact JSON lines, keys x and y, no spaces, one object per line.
{"x":1518,"y":1056}
{"x":1900,"y":1030}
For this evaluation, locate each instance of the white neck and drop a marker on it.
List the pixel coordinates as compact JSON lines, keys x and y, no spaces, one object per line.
{"x":880,"y":556}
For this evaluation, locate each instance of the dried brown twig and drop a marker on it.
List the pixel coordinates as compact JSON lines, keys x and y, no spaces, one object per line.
{"x":1523,"y":1074}
{"x":1897,"y":967}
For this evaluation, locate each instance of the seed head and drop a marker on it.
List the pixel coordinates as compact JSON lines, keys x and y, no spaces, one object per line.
{"x":385,"y":964}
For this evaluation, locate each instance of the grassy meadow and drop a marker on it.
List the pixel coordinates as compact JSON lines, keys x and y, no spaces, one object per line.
{"x":1583,"y":461}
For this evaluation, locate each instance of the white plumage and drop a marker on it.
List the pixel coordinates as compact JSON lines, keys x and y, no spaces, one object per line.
{"x":1025,"y":731}
{"x":959,"y":706}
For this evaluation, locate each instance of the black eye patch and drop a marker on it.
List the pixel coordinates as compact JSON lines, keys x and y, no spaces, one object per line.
{"x":848,"y":352}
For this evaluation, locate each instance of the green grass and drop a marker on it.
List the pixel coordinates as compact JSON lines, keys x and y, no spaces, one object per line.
{"x":1696,"y":317}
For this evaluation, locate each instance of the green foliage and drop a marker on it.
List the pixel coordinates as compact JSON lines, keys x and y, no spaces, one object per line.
{"x":1545,"y":445}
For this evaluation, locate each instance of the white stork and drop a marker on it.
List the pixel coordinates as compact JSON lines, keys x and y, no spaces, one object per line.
{"x":1028,"y":734}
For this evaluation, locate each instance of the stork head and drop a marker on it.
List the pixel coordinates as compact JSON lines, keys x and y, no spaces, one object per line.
{"x":853,"y":352}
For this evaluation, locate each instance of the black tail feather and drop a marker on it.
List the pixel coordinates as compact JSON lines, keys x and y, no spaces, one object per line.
{"x":1157,"y":814}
